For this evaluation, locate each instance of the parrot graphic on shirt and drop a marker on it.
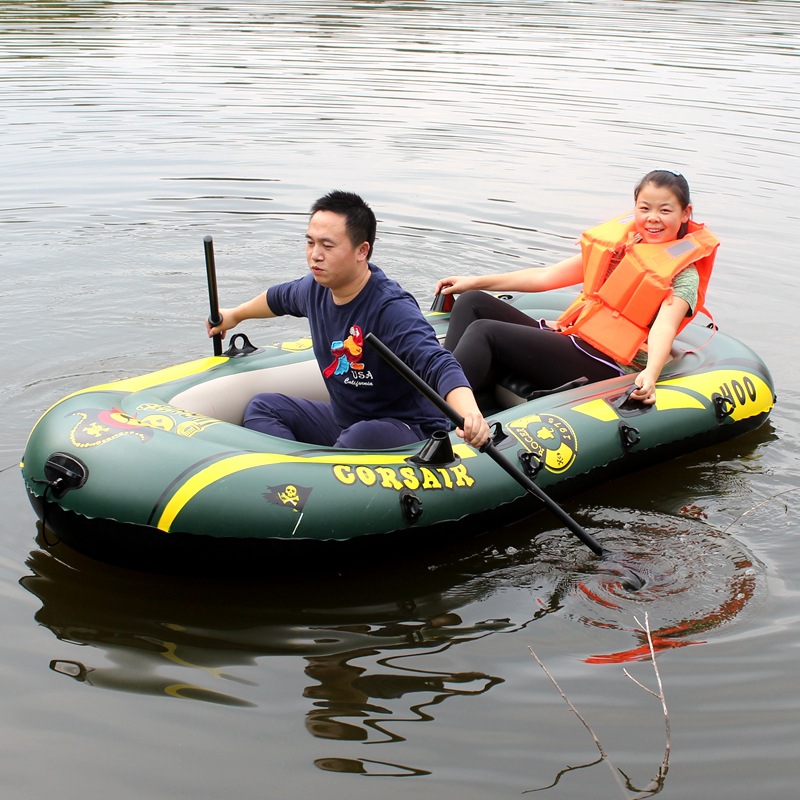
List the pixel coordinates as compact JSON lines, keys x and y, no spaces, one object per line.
{"x":346,"y":354}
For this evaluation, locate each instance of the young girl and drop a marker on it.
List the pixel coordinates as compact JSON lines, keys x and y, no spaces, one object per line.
{"x":644,"y":277}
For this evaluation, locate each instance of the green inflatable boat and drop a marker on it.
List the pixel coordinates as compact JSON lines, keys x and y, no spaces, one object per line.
{"x":157,"y":471}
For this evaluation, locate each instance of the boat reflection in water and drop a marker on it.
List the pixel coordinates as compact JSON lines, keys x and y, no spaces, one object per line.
{"x":346,"y":629}
{"x":366,"y":641}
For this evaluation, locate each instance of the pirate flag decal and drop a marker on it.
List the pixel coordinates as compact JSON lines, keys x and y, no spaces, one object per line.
{"x":289,"y":495}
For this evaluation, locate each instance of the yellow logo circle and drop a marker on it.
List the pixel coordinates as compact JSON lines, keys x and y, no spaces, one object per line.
{"x":549,"y":437}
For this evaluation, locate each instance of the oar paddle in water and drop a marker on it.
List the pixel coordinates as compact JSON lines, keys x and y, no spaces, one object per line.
{"x":211,"y":275}
{"x":488,"y":448}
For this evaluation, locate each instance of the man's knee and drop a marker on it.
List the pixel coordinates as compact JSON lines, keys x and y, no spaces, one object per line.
{"x":377,"y":434}
{"x":265,"y":404}
{"x":267,"y":413}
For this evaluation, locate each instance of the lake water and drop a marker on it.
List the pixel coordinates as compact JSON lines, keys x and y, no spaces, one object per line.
{"x":486,"y":135}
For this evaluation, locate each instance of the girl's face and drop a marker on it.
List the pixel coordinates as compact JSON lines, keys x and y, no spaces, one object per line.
{"x":658,"y":215}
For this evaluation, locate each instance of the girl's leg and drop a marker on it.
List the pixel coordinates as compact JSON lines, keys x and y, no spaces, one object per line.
{"x":475,"y":305}
{"x":490,"y":349}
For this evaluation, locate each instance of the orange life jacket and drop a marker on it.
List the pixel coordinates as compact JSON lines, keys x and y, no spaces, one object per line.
{"x":614,"y":312}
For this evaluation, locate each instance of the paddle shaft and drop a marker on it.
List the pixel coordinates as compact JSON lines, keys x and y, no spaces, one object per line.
{"x":520,"y":477}
{"x":211,"y":276}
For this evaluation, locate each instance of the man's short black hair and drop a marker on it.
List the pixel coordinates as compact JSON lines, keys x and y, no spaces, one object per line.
{"x":360,"y":222}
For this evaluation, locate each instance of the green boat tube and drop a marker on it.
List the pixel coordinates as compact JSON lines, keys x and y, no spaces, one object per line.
{"x":157,"y":470}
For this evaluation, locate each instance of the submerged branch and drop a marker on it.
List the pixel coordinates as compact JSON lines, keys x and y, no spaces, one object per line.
{"x":657,"y":784}
{"x":561,"y":774}
{"x":758,"y":505}
{"x":603,"y":755}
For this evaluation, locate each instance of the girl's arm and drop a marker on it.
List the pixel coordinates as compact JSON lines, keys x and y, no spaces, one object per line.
{"x":533,"y":279}
{"x":659,"y":344}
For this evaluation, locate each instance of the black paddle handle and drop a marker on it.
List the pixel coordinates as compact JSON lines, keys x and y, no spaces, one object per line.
{"x":211,"y":276}
{"x":414,"y":379}
{"x":488,"y":448}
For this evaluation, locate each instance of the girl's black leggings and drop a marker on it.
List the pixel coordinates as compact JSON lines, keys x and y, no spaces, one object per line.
{"x":491,"y":338}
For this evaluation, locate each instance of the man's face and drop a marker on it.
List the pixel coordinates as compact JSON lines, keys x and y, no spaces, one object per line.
{"x":332,"y":258}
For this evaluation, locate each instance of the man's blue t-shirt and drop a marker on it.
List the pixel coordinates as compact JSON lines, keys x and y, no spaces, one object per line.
{"x":361,"y":384}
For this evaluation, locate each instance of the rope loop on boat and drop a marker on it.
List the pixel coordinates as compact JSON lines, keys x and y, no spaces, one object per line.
{"x":532,"y":463}
{"x":239,"y":346}
{"x":42,"y":523}
{"x":411,"y":506}
{"x":724,"y":406}
{"x":628,"y":435}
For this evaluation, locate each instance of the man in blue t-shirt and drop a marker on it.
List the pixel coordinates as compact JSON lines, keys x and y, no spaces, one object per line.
{"x":344,"y":298}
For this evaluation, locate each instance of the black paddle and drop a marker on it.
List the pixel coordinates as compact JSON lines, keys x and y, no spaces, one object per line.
{"x":211,"y":275}
{"x":489,"y":447}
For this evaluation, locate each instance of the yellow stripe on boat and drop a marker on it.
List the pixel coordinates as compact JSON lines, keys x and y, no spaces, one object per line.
{"x":158,"y":378}
{"x":670,"y":398}
{"x":230,"y":466}
{"x":747,"y":391}
{"x":597,"y":409}
{"x":148,"y":381}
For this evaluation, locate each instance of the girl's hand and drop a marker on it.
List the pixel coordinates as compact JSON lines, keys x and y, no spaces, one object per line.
{"x":455,"y":284}
{"x":646,"y":388}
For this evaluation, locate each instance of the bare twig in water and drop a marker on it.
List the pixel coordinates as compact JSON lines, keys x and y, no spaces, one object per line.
{"x":603,"y":755}
{"x":758,"y":505}
{"x":657,"y":784}
{"x":561,"y":774}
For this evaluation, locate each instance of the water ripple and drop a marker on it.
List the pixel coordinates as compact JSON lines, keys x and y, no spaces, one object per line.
{"x":696,"y":579}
